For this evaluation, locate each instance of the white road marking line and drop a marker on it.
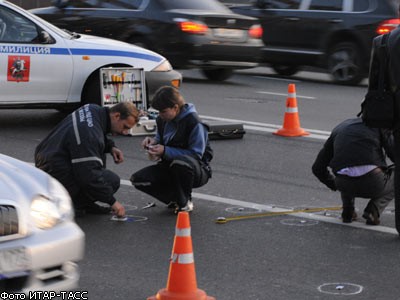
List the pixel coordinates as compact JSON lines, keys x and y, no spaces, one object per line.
{"x":266,"y":127}
{"x":269,"y":208}
{"x":278,"y":79}
{"x":285,"y":95}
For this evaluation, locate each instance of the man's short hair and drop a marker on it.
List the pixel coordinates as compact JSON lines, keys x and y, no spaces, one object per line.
{"x":126,"y":109}
{"x":167,"y":97}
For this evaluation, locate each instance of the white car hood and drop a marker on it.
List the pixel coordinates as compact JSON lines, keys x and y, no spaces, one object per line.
{"x":99,"y":43}
{"x":20,"y":181}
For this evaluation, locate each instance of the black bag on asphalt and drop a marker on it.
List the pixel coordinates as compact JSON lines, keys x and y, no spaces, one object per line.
{"x":377,"y":108}
{"x":218,"y":130}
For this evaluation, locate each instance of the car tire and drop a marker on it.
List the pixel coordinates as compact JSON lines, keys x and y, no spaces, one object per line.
{"x":285,"y":70}
{"x":91,"y":90}
{"x":219,"y":74}
{"x":345,"y":64}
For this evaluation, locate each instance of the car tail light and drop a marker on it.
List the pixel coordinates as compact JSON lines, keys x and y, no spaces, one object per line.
{"x":192,"y":27}
{"x":387,"y":26}
{"x":256,"y":31}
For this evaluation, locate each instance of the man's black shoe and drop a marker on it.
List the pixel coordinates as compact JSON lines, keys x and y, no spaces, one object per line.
{"x":348,"y":215}
{"x":371,"y":215}
{"x":96,"y":209}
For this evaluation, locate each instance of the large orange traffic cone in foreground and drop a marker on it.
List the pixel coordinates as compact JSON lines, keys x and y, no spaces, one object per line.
{"x":181,"y":283}
{"x":291,"y":121}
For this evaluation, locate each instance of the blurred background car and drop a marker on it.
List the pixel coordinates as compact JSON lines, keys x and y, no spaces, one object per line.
{"x":44,"y":66}
{"x":190,"y":34}
{"x":28,"y":4}
{"x":40,"y":244}
{"x":335,"y":35}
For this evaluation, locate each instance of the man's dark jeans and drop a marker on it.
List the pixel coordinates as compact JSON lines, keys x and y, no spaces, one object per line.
{"x":377,"y":185}
{"x":171,"y":181}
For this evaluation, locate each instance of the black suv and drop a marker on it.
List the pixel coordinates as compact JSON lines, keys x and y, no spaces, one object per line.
{"x":201,"y":34}
{"x":335,"y":35}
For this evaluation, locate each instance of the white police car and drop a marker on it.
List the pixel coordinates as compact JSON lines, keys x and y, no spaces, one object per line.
{"x":40,"y":244}
{"x":44,"y":66}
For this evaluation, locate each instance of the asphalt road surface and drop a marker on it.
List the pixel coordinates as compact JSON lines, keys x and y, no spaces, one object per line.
{"x":297,"y":250}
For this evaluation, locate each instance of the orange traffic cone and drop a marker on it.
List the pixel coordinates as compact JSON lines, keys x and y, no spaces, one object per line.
{"x":181,"y":283}
{"x":291,"y":121}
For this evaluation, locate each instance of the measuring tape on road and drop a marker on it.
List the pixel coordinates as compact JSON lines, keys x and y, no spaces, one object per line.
{"x":223,"y":220}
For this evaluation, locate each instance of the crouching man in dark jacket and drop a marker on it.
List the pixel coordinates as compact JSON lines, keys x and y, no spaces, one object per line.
{"x":75,"y":153}
{"x":181,"y":149}
{"x":356,"y":155}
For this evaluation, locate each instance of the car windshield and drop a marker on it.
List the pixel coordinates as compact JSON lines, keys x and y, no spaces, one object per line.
{"x":194,"y":4}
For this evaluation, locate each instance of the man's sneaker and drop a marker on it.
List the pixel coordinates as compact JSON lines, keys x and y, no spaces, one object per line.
{"x":188,"y":207}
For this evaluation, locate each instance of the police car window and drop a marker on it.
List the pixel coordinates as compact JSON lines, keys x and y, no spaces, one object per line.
{"x":127,"y":4}
{"x":282,"y":4}
{"x":16,"y":28}
{"x":331,"y":5}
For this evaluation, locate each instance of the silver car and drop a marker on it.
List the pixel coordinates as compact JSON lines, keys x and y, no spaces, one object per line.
{"x":40,"y":244}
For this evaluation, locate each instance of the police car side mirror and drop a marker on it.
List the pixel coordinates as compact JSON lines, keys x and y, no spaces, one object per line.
{"x":45,"y":38}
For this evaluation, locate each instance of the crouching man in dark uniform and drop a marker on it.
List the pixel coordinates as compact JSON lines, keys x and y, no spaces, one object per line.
{"x":75,"y":153}
{"x":356,"y":154}
{"x":181,"y":149}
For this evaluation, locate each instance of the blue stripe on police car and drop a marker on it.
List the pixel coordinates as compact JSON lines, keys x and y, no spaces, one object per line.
{"x":18,"y":49}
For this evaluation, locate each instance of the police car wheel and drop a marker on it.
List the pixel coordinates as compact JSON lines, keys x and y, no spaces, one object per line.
{"x":91,"y":90}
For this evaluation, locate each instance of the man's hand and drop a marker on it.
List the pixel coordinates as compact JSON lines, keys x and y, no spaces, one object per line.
{"x":118,"y":209}
{"x":117,"y":155}
{"x":147,"y":142}
{"x":157,"y":150}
